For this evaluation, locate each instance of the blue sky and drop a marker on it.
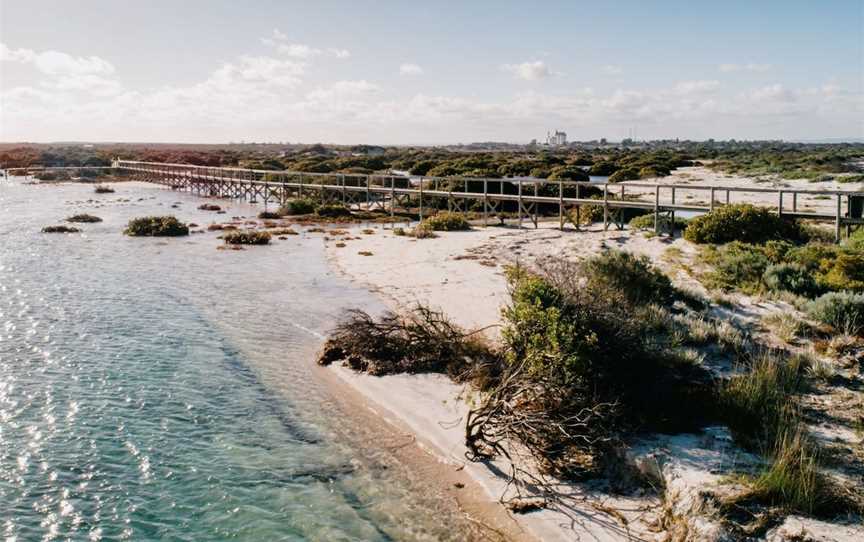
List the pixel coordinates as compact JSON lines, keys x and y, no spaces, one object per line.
{"x":442,"y":72}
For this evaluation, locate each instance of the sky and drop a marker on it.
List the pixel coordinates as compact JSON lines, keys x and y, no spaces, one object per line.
{"x":412,"y":72}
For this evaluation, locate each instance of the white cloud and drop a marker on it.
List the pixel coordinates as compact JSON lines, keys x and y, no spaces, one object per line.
{"x":610,"y":69}
{"x":339,"y":53}
{"x":279,"y":41}
{"x":695,"y":87}
{"x":529,"y":71}
{"x":410,"y":69}
{"x":772,"y":93}
{"x":749,"y":67}
{"x":56,"y":63}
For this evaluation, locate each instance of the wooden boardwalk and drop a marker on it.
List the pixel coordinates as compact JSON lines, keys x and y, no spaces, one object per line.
{"x":392,"y":192}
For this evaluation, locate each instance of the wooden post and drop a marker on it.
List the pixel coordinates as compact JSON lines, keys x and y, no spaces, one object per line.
{"x":794,"y":202}
{"x":392,"y":195}
{"x":672,"y":215}
{"x":657,"y":208}
{"x":837,"y":220}
{"x":561,"y":205}
{"x":485,"y":202}
{"x":421,"y":199}
{"x":368,"y":181}
{"x":711,"y":206}
{"x":536,"y":219}
{"x":605,"y":206}
{"x":780,"y":203}
{"x":520,"y":204}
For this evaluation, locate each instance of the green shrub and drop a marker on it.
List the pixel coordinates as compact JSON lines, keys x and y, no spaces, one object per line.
{"x":268,"y":215}
{"x":736,"y":266}
{"x":300,"y":206}
{"x":845,"y":271}
{"x":331,"y":210}
{"x":626,"y":174}
{"x":156,"y":226}
{"x":646,"y":222}
{"x":102,"y":189}
{"x":60,"y":229}
{"x":790,"y":277}
{"x":568,"y":173}
{"x":633,"y":276}
{"x":445,"y":221}
{"x":246,"y":237}
{"x":85,"y":218}
{"x":745,"y":223}
{"x":843,"y":311}
{"x":209,"y":207}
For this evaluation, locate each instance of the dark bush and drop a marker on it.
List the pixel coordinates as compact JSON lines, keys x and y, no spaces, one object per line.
{"x":633,"y":276}
{"x":568,"y":173}
{"x":791,"y":277}
{"x":209,"y":207}
{"x":445,"y":221}
{"x":102,"y":189}
{"x":269,"y":215}
{"x":156,"y":226}
{"x":60,"y":229}
{"x":745,"y":223}
{"x":844,"y":311}
{"x":300,"y":206}
{"x":626,"y":174}
{"x":332,"y":211}
{"x":83,"y":218}
{"x":246,"y":237}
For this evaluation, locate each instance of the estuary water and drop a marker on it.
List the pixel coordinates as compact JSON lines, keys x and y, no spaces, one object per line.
{"x":161,"y":389}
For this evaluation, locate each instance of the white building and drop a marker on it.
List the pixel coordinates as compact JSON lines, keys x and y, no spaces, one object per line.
{"x":556,"y":138}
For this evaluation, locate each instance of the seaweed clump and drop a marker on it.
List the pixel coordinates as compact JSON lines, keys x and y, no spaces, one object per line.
{"x":156,"y":226}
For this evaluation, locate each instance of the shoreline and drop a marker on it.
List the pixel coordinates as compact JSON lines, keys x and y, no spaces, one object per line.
{"x":432,"y":407}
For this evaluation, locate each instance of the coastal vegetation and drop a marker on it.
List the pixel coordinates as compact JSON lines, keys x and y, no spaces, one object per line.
{"x":103,"y":189}
{"x":83,"y":218}
{"x":246,"y":237}
{"x":60,"y":229}
{"x":209,"y":207}
{"x":156,"y":226}
{"x":743,"y":222}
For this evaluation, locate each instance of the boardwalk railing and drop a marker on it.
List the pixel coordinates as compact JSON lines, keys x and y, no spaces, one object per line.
{"x":527,"y":196}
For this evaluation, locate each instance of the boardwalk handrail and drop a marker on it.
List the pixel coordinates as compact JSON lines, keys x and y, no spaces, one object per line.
{"x":379,"y":189}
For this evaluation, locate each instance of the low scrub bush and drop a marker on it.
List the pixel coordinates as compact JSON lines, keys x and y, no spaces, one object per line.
{"x":301,"y":206}
{"x":269,"y":215}
{"x":646,"y":222}
{"x":102,"y":189}
{"x":332,"y":211}
{"x":445,"y":221}
{"x":745,"y":223}
{"x":421,"y":341}
{"x":60,"y":229}
{"x":246,"y":237}
{"x":580,"y":373}
{"x":209,"y":207}
{"x":85,"y":218}
{"x":633,"y":276}
{"x":791,"y":277}
{"x":736,"y":266}
{"x":845,"y":271}
{"x":156,"y":226}
{"x":844,"y":311}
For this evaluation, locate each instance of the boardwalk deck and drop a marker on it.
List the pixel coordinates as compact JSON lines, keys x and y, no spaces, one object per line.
{"x":389,"y":192}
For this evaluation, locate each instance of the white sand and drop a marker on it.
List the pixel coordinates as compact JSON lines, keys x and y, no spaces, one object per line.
{"x":436,"y":272}
{"x":460,"y":273}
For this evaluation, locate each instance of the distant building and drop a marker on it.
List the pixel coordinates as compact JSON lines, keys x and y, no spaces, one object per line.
{"x":556,"y":138}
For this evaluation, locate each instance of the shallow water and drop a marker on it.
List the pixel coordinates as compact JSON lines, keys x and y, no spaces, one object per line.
{"x":162,"y":389}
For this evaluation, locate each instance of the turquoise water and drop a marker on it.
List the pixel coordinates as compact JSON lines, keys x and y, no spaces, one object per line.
{"x":164,"y":390}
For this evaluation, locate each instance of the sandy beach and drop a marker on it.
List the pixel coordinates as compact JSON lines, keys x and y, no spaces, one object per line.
{"x":461,"y":274}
